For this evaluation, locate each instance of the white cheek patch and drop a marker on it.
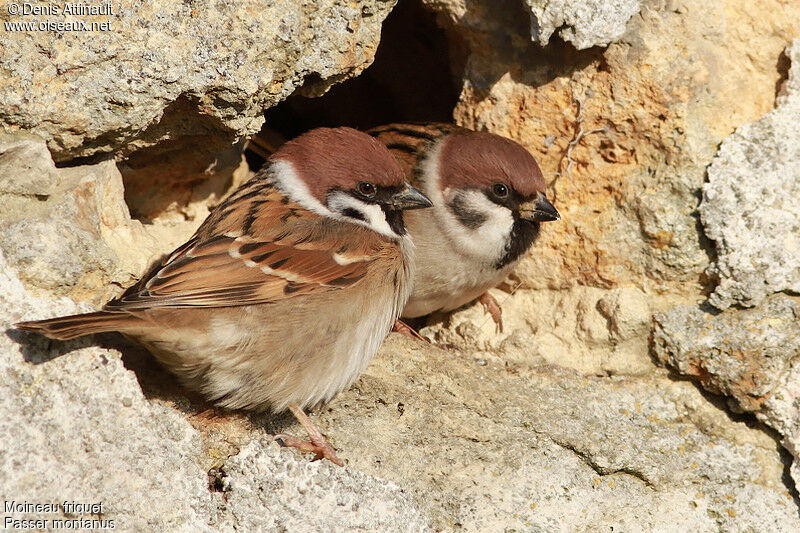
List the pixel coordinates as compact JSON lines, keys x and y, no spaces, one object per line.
{"x":485,"y":242}
{"x":492,"y":234}
{"x":374,"y":217}
{"x":289,"y":182}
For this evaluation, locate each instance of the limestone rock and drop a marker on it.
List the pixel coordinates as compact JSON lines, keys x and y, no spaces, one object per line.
{"x":489,"y":444}
{"x":68,"y":230}
{"x":751,"y":203}
{"x":751,"y":355}
{"x":584,"y":24}
{"x":432,"y":439}
{"x":227,"y":62}
{"x":262,"y":479}
{"x":592,"y":331}
{"x":77,"y":427}
{"x":742,"y":354}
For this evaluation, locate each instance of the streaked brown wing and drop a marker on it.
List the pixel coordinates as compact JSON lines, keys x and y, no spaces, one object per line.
{"x":257,"y":247}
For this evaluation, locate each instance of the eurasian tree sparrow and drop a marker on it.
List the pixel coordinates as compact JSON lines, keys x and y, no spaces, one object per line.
{"x":285,"y":292}
{"x":488,"y":203}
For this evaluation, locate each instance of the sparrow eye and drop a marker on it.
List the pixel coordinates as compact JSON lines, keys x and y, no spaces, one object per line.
{"x":366,"y":188}
{"x":500,"y":190}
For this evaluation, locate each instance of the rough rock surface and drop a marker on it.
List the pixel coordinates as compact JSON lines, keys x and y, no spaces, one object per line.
{"x":139,"y":461}
{"x":584,"y":24}
{"x":561,"y":421}
{"x":751,"y":203}
{"x":68,"y":230}
{"x":226,"y":62}
{"x":751,"y":355}
{"x":593,"y":331}
{"x":78,"y":427}
{"x":432,"y":438}
{"x":743,"y":354}
{"x":492,"y":444}
{"x":310,"y":496}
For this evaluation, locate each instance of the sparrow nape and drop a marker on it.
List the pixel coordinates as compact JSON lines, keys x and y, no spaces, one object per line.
{"x":488,"y":205}
{"x":285,"y":292}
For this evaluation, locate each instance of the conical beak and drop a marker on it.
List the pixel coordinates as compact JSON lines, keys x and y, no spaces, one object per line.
{"x":539,"y":210}
{"x":408,"y":198}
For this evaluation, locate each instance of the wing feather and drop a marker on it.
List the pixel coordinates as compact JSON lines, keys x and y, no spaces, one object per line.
{"x":275,"y":249}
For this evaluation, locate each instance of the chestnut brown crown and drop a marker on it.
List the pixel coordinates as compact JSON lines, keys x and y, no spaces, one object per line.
{"x":481,"y":159}
{"x":340,"y":158}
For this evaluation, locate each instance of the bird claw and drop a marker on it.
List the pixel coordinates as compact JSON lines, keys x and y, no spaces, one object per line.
{"x":493,"y":308}
{"x":320,"y":448}
{"x":404,"y":329}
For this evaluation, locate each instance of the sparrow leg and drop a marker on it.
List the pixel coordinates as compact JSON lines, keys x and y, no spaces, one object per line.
{"x":404,"y":329}
{"x":493,"y":308}
{"x":316,"y":443}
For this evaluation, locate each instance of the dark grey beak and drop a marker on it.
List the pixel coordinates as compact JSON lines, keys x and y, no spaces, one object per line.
{"x":408,"y":198}
{"x":539,"y":210}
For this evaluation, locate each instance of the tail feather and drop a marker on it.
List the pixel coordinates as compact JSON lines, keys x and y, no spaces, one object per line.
{"x":69,"y":327}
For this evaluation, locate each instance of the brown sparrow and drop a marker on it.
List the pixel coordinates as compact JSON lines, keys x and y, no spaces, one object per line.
{"x":285,"y":292}
{"x":488,"y":203}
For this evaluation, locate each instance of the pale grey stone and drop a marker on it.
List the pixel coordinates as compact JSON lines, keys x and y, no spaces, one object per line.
{"x":66,"y":433}
{"x":543,"y":449}
{"x":751,"y":203}
{"x":580,"y":22}
{"x":67,"y":230}
{"x":270,"y":488}
{"x":751,"y":355}
{"x":229,"y":61}
{"x":738,"y":353}
{"x":77,"y":427}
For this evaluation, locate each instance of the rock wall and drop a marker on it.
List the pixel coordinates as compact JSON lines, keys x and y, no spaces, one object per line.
{"x":668,"y":132}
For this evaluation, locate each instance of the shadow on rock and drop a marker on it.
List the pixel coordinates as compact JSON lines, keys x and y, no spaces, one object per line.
{"x":38,"y":349}
{"x":157,"y":383}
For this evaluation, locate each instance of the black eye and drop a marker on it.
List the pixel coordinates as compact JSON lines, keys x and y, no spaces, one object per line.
{"x":500,"y":190}
{"x":366,"y":188}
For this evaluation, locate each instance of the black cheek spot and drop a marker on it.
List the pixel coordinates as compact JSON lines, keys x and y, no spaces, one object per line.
{"x":468,"y":217}
{"x":354,"y":213}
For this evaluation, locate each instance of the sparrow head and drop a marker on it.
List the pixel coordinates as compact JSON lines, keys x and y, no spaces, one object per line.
{"x":348,"y":175}
{"x":492,"y":192}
